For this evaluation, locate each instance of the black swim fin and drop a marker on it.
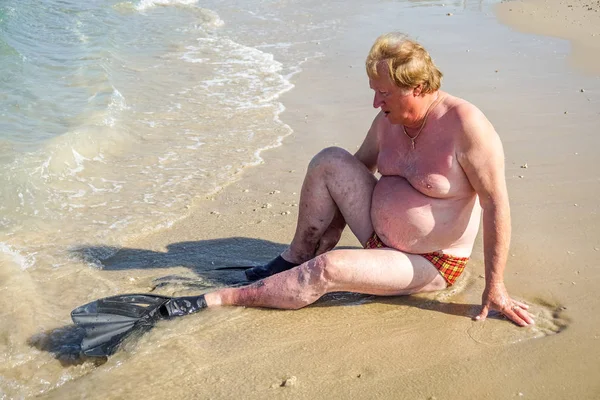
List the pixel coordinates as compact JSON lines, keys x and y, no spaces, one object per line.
{"x":110,"y":320}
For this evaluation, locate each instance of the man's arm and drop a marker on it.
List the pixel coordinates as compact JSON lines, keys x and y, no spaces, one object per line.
{"x":481,"y":156}
{"x":369,"y":149}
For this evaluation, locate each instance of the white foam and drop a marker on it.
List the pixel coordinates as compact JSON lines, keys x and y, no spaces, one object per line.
{"x":151,"y":124}
{"x":80,"y":193}
{"x":116,"y":105}
{"x":121,"y":223}
{"x":212,"y":19}
{"x":147,"y":4}
{"x":257,"y":72}
{"x":257,"y":158}
{"x":79,"y":160}
{"x":188,"y":57}
{"x":115,"y":188}
{"x":196,"y":146}
{"x":24,"y":262}
{"x":43,"y":169}
{"x":170,"y":156}
{"x":174,"y":107}
{"x":72,"y":207}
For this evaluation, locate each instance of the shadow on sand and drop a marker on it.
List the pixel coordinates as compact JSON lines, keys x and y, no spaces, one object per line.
{"x":212,"y":263}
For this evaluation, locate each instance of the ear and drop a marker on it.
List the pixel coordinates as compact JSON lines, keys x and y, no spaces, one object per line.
{"x":417,"y":90}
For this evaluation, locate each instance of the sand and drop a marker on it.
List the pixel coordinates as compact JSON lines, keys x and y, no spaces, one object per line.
{"x":418,"y":347}
{"x":576,"y":21}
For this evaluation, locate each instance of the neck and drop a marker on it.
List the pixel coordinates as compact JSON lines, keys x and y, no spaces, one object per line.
{"x":422,"y":109}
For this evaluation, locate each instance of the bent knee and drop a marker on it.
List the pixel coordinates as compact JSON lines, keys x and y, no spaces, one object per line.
{"x":330,"y":156}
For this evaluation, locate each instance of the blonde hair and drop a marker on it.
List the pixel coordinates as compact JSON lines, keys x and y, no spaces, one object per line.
{"x":409,"y":64}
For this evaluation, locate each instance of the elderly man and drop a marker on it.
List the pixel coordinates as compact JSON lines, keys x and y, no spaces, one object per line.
{"x":441,"y":163}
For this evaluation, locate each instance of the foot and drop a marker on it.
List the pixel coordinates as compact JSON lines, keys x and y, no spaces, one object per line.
{"x":275,"y":266}
{"x":179,"y":306}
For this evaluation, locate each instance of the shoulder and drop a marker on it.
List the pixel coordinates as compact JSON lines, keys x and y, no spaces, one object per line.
{"x":472,"y":126}
{"x":479,"y":152}
{"x":462,"y":112}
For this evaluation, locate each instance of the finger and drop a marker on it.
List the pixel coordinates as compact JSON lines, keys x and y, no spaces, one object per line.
{"x":521,"y":304}
{"x":483,"y":314}
{"x":514,"y":317}
{"x":525,"y":316}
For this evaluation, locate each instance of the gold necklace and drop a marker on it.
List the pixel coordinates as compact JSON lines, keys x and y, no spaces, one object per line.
{"x":431,"y":107}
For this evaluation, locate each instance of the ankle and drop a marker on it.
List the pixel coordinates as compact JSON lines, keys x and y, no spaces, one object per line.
{"x":213,"y":299}
{"x":294,"y":257}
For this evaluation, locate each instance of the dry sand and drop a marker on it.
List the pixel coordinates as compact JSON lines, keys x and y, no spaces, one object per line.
{"x":575,"y":20}
{"x":419,"y":347}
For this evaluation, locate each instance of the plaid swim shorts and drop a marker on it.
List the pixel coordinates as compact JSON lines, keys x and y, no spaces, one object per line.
{"x":449,"y":266}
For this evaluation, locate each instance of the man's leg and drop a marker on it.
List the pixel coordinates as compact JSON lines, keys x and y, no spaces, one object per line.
{"x":383,"y":272}
{"x":336,"y":185}
{"x":335,"y":180}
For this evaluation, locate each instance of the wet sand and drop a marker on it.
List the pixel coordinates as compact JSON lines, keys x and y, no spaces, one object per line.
{"x":417,"y":347}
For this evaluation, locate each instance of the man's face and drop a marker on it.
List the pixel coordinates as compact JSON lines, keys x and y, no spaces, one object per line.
{"x":393,"y":101}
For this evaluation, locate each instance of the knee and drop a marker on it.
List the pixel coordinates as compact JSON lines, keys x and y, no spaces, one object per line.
{"x":314,"y":280}
{"x":330,"y":156}
{"x":312,"y":274}
{"x":320,"y":273}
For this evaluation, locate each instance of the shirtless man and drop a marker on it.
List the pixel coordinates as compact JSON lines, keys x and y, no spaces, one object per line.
{"x":441,"y":164}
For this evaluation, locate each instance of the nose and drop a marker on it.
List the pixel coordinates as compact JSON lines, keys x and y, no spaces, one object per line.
{"x":377,"y":100}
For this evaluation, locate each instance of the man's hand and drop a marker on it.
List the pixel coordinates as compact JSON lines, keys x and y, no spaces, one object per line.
{"x":496,"y":298}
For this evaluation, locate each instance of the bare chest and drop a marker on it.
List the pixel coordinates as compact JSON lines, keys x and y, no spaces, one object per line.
{"x":431,"y":167}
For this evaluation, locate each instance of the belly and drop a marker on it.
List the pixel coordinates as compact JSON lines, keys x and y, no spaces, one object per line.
{"x":408,"y":220}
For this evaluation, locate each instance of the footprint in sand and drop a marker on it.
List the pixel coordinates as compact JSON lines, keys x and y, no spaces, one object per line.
{"x":549,"y":318}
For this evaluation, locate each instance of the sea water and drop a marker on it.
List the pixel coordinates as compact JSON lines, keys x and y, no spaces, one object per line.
{"x":114,"y":117}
